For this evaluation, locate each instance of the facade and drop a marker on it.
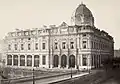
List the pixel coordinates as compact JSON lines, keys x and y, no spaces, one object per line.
{"x":80,"y":46}
{"x":117,"y":53}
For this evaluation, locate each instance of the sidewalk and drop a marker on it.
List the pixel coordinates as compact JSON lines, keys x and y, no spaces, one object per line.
{"x":52,"y":80}
{"x":81,"y":75}
{"x":65,"y":78}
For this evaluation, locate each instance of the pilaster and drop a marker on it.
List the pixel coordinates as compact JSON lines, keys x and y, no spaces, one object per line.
{"x":12,"y":61}
{"x":32,"y":60}
{"x":26,"y":60}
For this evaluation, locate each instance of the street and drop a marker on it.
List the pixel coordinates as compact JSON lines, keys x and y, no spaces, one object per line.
{"x":109,"y":77}
{"x":115,"y":77}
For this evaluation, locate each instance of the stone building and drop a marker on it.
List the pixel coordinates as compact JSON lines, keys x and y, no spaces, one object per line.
{"x":80,"y":46}
{"x":117,"y":53}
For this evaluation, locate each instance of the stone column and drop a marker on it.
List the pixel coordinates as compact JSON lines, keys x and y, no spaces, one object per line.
{"x":6,"y":60}
{"x":12,"y":60}
{"x":89,"y":61}
{"x":40,"y":60}
{"x":100,"y":60}
{"x":93,"y":60}
{"x":59,"y":65}
{"x":18,"y":60}
{"x":32,"y":60}
{"x":89,"y":43}
{"x":81,"y":59}
{"x":51,"y":61}
{"x":25,"y":60}
{"x":67,"y":65}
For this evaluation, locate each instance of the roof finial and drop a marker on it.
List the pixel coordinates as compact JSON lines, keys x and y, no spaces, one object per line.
{"x":81,"y":2}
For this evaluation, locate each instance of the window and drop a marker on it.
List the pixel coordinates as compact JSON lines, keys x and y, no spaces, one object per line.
{"x":9,"y":59}
{"x":84,"y":35}
{"x":63,"y":45}
{"x":15,"y":59}
{"x":9,"y":47}
{"x":15,"y":46}
{"x":43,"y":46}
{"x":28,"y":46}
{"x":29,"y":38}
{"x":22,"y":60}
{"x":92,"y":60}
{"x":84,"y":28}
{"x":22,"y":48}
{"x":21,"y":39}
{"x":29,"y":60}
{"x":44,"y":60}
{"x":36,"y":46}
{"x":84,"y":60}
{"x":72,"y":45}
{"x":84,"y":41}
{"x":56,"y":45}
{"x":36,"y":61}
{"x":84,"y":44}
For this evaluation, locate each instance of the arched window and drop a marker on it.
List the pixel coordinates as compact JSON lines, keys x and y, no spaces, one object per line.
{"x":84,"y":60}
{"x":22,"y":60}
{"x":72,"y":61}
{"x":56,"y":61}
{"x":63,"y":61}
{"x":15,"y":59}
{"x":29,"y":60}
{"x":36,"y":61}
{"x":9,"y":59}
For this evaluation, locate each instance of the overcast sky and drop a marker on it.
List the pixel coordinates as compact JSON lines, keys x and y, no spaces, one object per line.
{"x":26,"y":14}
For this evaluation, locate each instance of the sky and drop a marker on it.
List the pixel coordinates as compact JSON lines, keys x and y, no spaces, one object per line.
{"x":26,"y":14}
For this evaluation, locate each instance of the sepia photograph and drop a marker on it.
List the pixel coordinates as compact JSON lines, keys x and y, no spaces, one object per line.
{"x":59,"y":42}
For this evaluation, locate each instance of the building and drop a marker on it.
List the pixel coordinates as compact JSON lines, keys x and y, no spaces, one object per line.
{"x":80,"y":46}
{"x":117,"y":53}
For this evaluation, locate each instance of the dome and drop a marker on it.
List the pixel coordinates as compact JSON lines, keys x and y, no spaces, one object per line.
{"x":83,"y":16}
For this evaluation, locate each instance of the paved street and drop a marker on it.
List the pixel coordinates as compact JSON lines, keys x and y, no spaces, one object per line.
{"x":109,"y":77}
{"x":88,"y":79}
{"x":115,"y":79}
{"x":95,"y":77}
{"x":51,"y":79}
{"x":111,"y":81}
{"x":48,"y":78}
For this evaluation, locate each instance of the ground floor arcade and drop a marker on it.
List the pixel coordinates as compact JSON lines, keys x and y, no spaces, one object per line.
{"x":56,"y":61}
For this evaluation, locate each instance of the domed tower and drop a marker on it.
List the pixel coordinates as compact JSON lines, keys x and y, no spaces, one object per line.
{"x":83,"y":16}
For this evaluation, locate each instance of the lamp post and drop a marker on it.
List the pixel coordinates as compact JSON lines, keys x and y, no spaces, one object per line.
{"x":71,"y":67}
{"x":33,"y":77}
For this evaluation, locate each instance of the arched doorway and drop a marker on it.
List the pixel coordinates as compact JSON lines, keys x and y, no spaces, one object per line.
{"x":63,"y":61}
{"x":55,"y":61}
{"x":72,"y":61}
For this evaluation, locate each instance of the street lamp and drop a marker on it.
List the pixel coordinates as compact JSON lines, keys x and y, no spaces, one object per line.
{"x":33,"y":77}
{"x":71,"y":67}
